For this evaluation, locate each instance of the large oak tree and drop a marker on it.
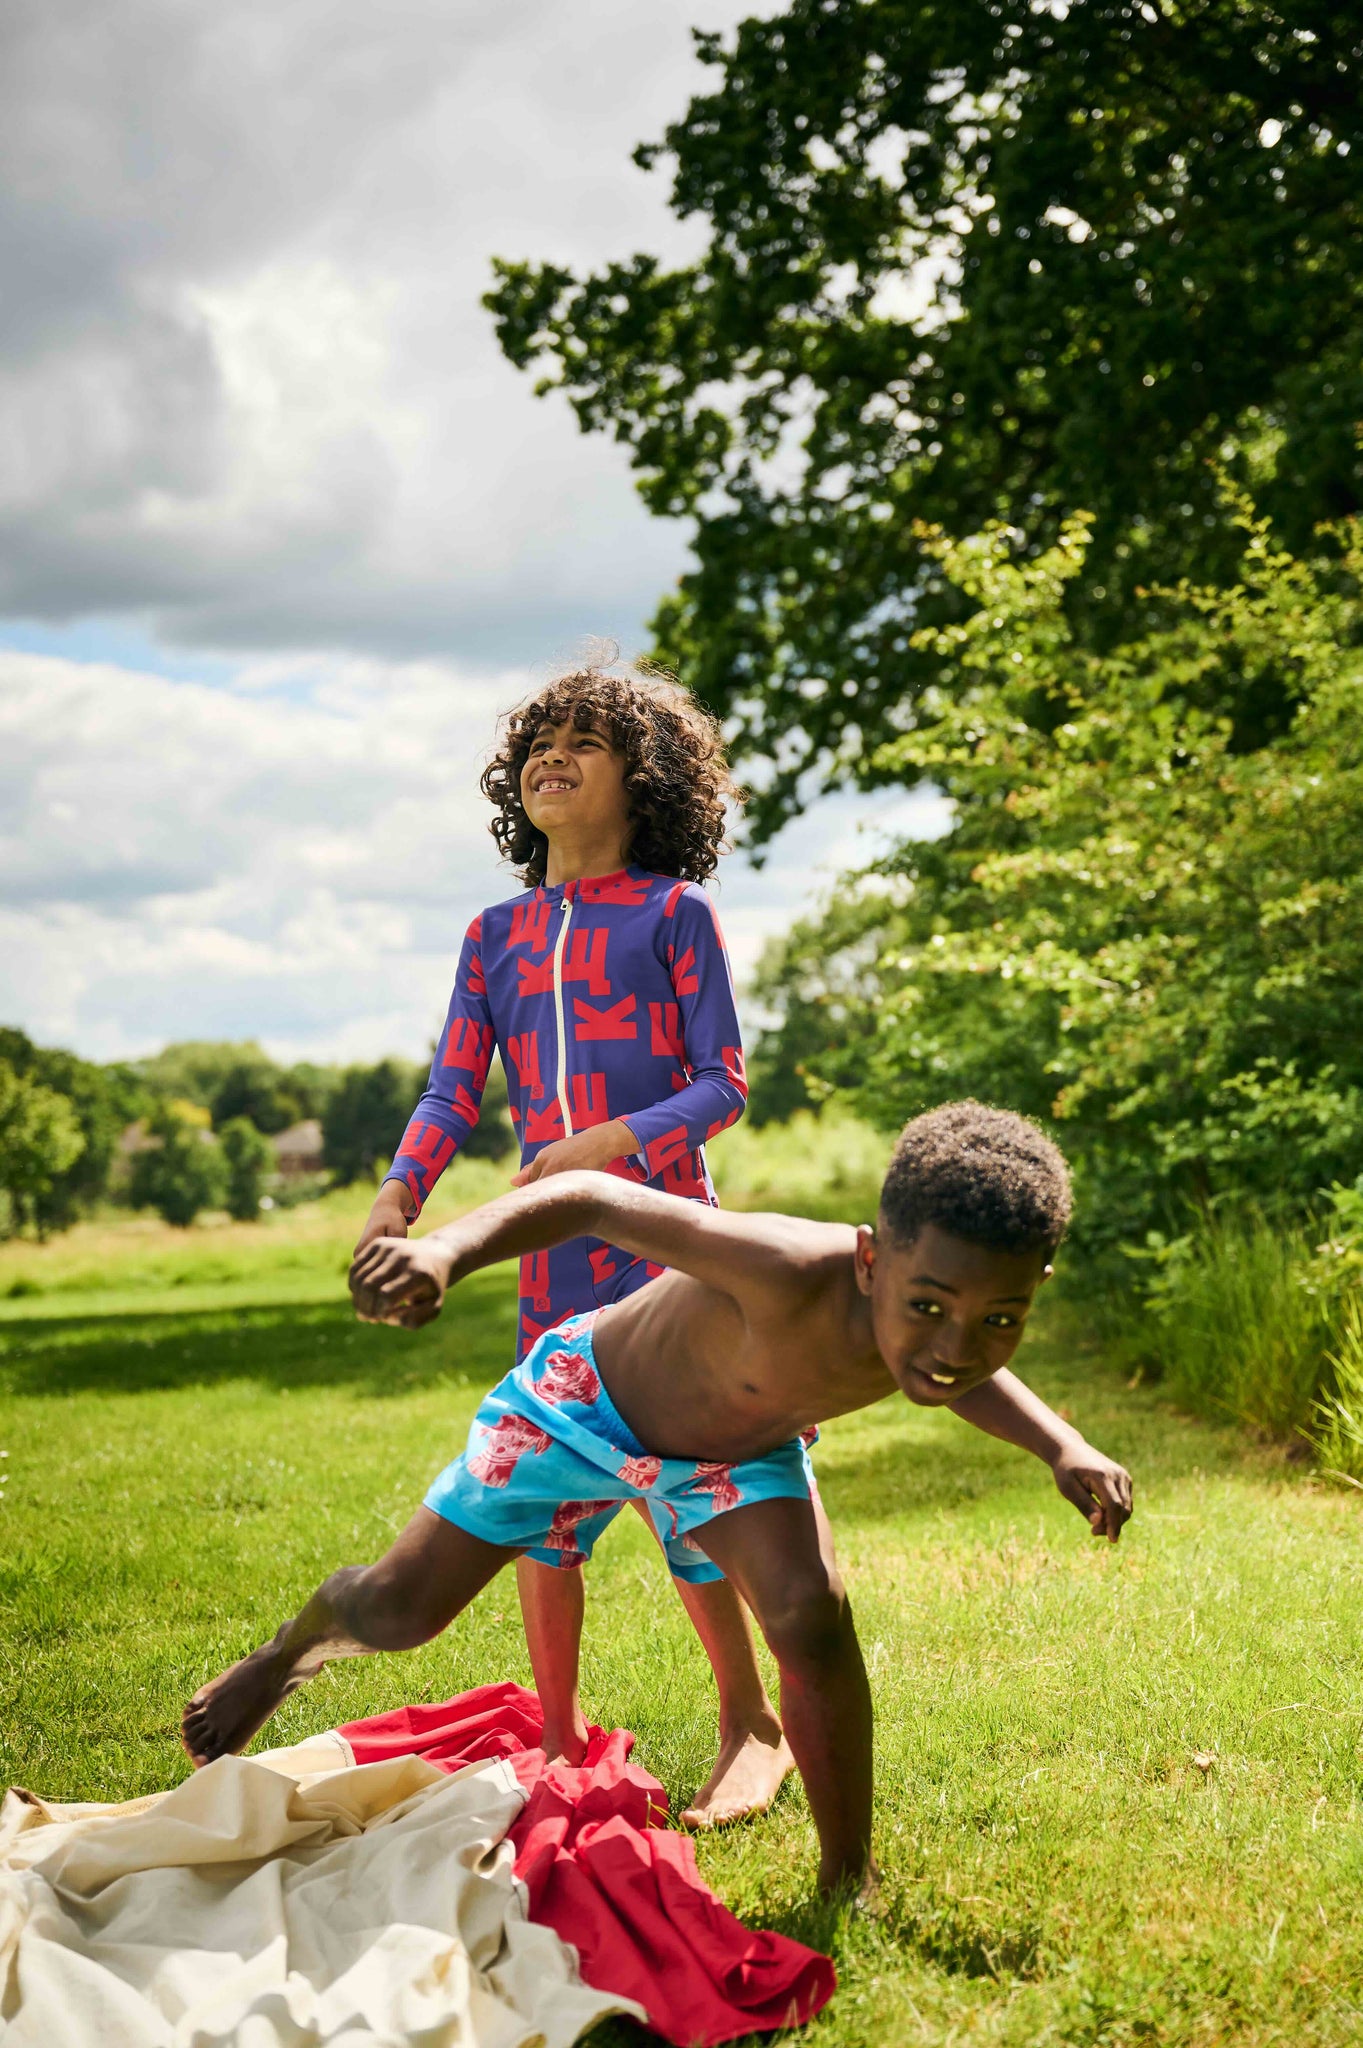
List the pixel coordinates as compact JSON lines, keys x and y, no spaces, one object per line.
{"x":971,"y":259}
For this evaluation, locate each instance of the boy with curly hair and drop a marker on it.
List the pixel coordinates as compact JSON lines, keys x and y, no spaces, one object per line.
{"x":606,"y":989}
{"x":692,"y":1394}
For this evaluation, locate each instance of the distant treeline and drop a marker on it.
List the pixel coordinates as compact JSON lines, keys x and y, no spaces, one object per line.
{"x":192,"y":1128}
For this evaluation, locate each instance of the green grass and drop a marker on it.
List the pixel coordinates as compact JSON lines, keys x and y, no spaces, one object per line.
{"x":1057,"y":1868}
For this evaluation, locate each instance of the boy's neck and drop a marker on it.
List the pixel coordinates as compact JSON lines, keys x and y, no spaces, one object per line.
{"x":574,"y":859}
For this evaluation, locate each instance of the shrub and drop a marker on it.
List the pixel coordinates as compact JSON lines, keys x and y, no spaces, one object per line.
{"x":1337,"y":1437}
{"x":40,"y":1138}
{"x":247,"y":1157}
{"x":365,"y":1117}
{"x":181,"y":1171}
{"x":1238,"y":1322}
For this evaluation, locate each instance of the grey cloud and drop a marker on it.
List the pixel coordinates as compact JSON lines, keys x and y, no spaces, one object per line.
{"x":246,"y":386}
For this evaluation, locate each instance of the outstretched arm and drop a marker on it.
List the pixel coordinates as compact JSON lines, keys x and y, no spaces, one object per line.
{"x":1096,"y":1485}
{"x":404,"y":1280}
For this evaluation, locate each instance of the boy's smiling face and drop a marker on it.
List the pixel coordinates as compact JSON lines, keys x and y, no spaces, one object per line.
{"x":574,"y":777}
{"x":947,"y":1313}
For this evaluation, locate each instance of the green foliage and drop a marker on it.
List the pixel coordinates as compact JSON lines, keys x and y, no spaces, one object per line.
{"x":247,"y":1157}
{"x":232,"y":1078}
{"x":988,"y":259}
{"x":40,"y":1138}
{"x":830,"y":1165}
{"x":1337,"y":1435}
{"x":365,"y":1117}
{"x":1057,"y":1871}
{"x":180,"y":1171}
{"x":1136,"y":929}
{"x":1237,"y":1323}
{"x":103,"y":1101}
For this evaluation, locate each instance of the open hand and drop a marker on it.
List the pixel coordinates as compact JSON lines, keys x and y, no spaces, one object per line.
{"x":1097,"y":1486}
{"x":400,"y":1280}
{"x":592,"y":1150}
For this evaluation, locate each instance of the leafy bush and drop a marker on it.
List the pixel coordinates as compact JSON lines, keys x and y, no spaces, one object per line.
{"x":180,"y":1171}
{"x":103,"y":1101}
{"x":247,"y":1157}
{"x":365,"y":1117}
{"x":40,"y":1138}
{"x":1146,"y":924}
{"x":1337,"y":1435}
{"x":1239,"y":1324}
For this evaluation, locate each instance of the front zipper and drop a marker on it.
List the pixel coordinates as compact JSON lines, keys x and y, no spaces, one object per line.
{"x":558,"y":1016}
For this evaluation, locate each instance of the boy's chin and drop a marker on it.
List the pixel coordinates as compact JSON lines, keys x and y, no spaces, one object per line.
{"x":918,"y":1386}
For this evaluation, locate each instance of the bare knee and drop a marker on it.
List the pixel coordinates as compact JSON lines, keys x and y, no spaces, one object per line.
{"x":812,"y":1625}
{"x":384,"y":1608}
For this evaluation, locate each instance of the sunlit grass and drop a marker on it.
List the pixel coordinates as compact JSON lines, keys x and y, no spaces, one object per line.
{"x":1058,"y":1867}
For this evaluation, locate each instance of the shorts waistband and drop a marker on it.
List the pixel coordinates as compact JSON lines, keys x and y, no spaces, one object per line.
{"x":600,"y":1417}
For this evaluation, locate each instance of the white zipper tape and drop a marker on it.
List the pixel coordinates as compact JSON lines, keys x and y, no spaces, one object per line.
{"x":559,"y":943}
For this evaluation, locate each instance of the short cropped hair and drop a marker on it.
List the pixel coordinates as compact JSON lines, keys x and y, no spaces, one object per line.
{"x":676,"y":774}
{"x":983,"y":1174}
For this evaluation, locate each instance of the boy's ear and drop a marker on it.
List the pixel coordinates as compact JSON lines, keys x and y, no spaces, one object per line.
{"x":864,"y":1256}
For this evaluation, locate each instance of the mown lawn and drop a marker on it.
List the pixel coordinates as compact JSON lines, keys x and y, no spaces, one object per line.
{"x":185,"y":1461}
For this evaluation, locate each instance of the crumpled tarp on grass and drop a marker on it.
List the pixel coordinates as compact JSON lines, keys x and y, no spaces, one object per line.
{"x":608,"y":1877}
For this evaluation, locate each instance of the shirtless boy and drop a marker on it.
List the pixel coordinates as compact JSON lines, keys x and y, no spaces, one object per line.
{"x":692,"y":1394}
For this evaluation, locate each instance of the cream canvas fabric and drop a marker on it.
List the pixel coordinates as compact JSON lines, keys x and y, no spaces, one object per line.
{"x":283,"y":1901}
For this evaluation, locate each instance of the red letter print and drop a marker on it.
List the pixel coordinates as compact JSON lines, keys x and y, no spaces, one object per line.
{"x":586,"y":960}
{"x":542,"y":1125}
{"x":684,"y":974}
{"x":716,"y":1480}
{"x":667,"y":1149}
{"x":535,"y":1280}
{"x":614,"y":889}
{"x":530,"y":924}
{"x":732,"y":1056}
{"x":568,"y":1376}
{"x":428,"y":1144}
{"x":477,"y":979}
{"x":666,"y":1040}
{"x":587,"y":1094}
{"x":641,"y":1472}
{"x":504,"y":1446}
{"x":674,"y":897}
{"x":602,"y":1263}
{"x":524,"y":1049}
{"x":591,"y":1024}
{"x":469,"y":1045}
{"x":532,"y":980}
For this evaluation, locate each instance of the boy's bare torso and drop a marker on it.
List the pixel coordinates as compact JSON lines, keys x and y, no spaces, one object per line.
{"x":700,"y":1370}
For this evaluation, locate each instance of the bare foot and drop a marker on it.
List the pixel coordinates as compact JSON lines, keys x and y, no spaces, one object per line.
{"x":568,"y":1746}
{"x":749,"y":1772}
{"x":223,"y":1716}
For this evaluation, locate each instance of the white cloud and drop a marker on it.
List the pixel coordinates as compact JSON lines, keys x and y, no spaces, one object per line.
{"x":294,"y":858}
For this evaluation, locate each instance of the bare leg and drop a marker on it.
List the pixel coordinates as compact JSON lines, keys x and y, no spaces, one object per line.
{"x":754,"y":1758}
{"x":551,"y":1608}
{"x":780,"y":1556}
{"x":431,"y":1573}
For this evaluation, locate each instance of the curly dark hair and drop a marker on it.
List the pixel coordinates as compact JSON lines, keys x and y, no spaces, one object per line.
{"x":676,"y":775}
{"x":983,"y":1174}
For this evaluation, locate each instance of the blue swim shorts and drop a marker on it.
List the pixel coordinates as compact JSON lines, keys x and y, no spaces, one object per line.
{"x":550,"y":1462}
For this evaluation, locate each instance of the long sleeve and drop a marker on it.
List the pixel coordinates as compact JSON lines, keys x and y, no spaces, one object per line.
{"x":449,"y":1109}
{"x":700,"y":1030}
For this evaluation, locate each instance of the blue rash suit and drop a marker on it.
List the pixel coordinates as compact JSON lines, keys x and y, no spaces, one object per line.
{"x":606,"y":998}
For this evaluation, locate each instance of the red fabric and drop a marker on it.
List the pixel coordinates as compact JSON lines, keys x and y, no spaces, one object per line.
{"x":610,"y":1879}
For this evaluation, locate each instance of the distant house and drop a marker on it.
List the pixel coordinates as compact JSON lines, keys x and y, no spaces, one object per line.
{"x":298,"y":1150}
